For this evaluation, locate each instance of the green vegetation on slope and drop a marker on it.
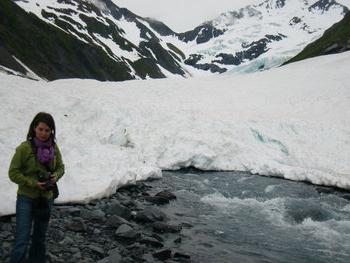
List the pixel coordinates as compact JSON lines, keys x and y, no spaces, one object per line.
{"x":336,"y":39}
{"x":50,"y":52}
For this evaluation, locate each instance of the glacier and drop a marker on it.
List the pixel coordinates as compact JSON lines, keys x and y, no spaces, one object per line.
{"x":291,"y":122}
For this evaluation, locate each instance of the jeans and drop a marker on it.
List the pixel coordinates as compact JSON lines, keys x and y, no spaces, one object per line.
{"x":28,"y":214}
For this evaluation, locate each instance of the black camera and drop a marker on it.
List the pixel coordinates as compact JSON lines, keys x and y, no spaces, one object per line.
{"x":45,"y":177}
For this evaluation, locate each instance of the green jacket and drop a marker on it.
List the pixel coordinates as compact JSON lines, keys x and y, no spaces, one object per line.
{"x":24,"y":169}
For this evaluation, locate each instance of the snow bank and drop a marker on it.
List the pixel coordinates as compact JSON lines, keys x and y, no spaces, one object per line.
{"x":291,"y":122}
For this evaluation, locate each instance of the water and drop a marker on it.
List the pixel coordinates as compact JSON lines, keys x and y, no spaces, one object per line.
{"x":238,"y":217}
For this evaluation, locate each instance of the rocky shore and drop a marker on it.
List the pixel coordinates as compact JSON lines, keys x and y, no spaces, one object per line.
{"x":129,"y":226}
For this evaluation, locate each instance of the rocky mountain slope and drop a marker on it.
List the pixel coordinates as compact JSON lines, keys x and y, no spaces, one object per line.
{"x":84,"y":39}
{"x":335,"y":40}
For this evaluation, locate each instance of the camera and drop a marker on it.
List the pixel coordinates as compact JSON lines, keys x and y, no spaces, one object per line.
{"x":45,"y":177}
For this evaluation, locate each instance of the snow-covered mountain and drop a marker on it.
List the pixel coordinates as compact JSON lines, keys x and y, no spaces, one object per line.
{"x":255,"y":37}
{"x":258,"y":36}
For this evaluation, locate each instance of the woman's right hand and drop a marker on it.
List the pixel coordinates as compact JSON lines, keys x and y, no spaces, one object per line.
{"x":41,"y":185}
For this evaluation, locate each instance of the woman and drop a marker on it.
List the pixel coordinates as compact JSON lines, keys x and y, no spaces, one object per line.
{"x":36,"y":167}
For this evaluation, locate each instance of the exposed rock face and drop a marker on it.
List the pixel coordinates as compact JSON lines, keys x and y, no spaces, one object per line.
{"x":89,"y":40}
{"x":324,"y":5}
{"x":201,"y":34}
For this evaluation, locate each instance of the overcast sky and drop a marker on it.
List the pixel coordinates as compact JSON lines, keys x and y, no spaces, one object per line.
{"x":182,"y":15}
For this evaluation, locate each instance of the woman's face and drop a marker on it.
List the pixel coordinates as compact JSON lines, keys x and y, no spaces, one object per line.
{"x":42,"y":131}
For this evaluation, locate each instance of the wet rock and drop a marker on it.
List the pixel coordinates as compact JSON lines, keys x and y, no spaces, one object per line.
{"x":178,"y":240}
{"x":148,"y":258}
{"x":118,"y":209}
{"x":162,"y":254}
{"x":96,"y":231}
{"x":74,"y":250}
{"x":67,"y":241}
{"x":162,"y":227}
{"x":126,"y":233}
{"x":166,"y":194}
{"x":113,"y":257}
{"x":150,"y":241}
{"x":116,"y":221}
{"x":77,"y":256}
{"x":150,"y":215}
{"x":158,"y":200}
{"x":77,"y":225}
{"x":6,"y":227}
{"x":181,"y":255}
{"x":56,"y":234}
{"x":97,"y":216}
{"x":159,"y":238}
{"x":137,"y":250}
{"x":99,"y":251}
{"x":69,"y":210}
{"x":5,"y":234}
{"x":186,"y":225}
{"x":6,"y":219}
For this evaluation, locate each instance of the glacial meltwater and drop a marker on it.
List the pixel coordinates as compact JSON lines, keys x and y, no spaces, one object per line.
{"x":239,"y":217}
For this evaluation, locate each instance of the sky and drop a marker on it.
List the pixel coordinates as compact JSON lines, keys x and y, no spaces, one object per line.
{"x":260,"y":123}
{"x":183,"y":15}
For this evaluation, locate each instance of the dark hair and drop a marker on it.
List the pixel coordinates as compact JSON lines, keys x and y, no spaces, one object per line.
{"x":45,"y":118}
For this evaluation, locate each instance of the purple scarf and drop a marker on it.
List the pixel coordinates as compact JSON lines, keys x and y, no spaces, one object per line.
{"x":45,"y":151}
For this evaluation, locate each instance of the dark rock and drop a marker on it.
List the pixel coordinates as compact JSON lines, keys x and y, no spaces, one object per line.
{"x":94,"y":215}
{"x":56,"y":234}
{"x":99,"y":251}
{"x":67,"y":241}
{"x":295,"y":20}
{"x":159,"y":238}
{"x":126,"y":233}
{"x":193,"y":59}
{"x":210,"y":66}
{"x":116,"y":221}
{"x":77,"y":225}
{"x":157,"y":200}
{"x":6,"y":227}
{"x":178,"y":240}
{"x":346,"y":196}
{"x":137,"y":250}
{"x":150,"y":215}
{"x":150,"y":241}
{"x":113,"y":257}
{"x":162,"y":227}
{"x":148,"y":258}
{"x":166,"y":194}
{"x":5,"y":219}
{"x":74,"y":250}
{"x":162,"y":254}
{"x":201,"y":34}
{"x":5,"y":234}
{"x":187,"y":225}
{"x":69,"y":210}
{"x":181,"y":255}
{"x":118,"y":209}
